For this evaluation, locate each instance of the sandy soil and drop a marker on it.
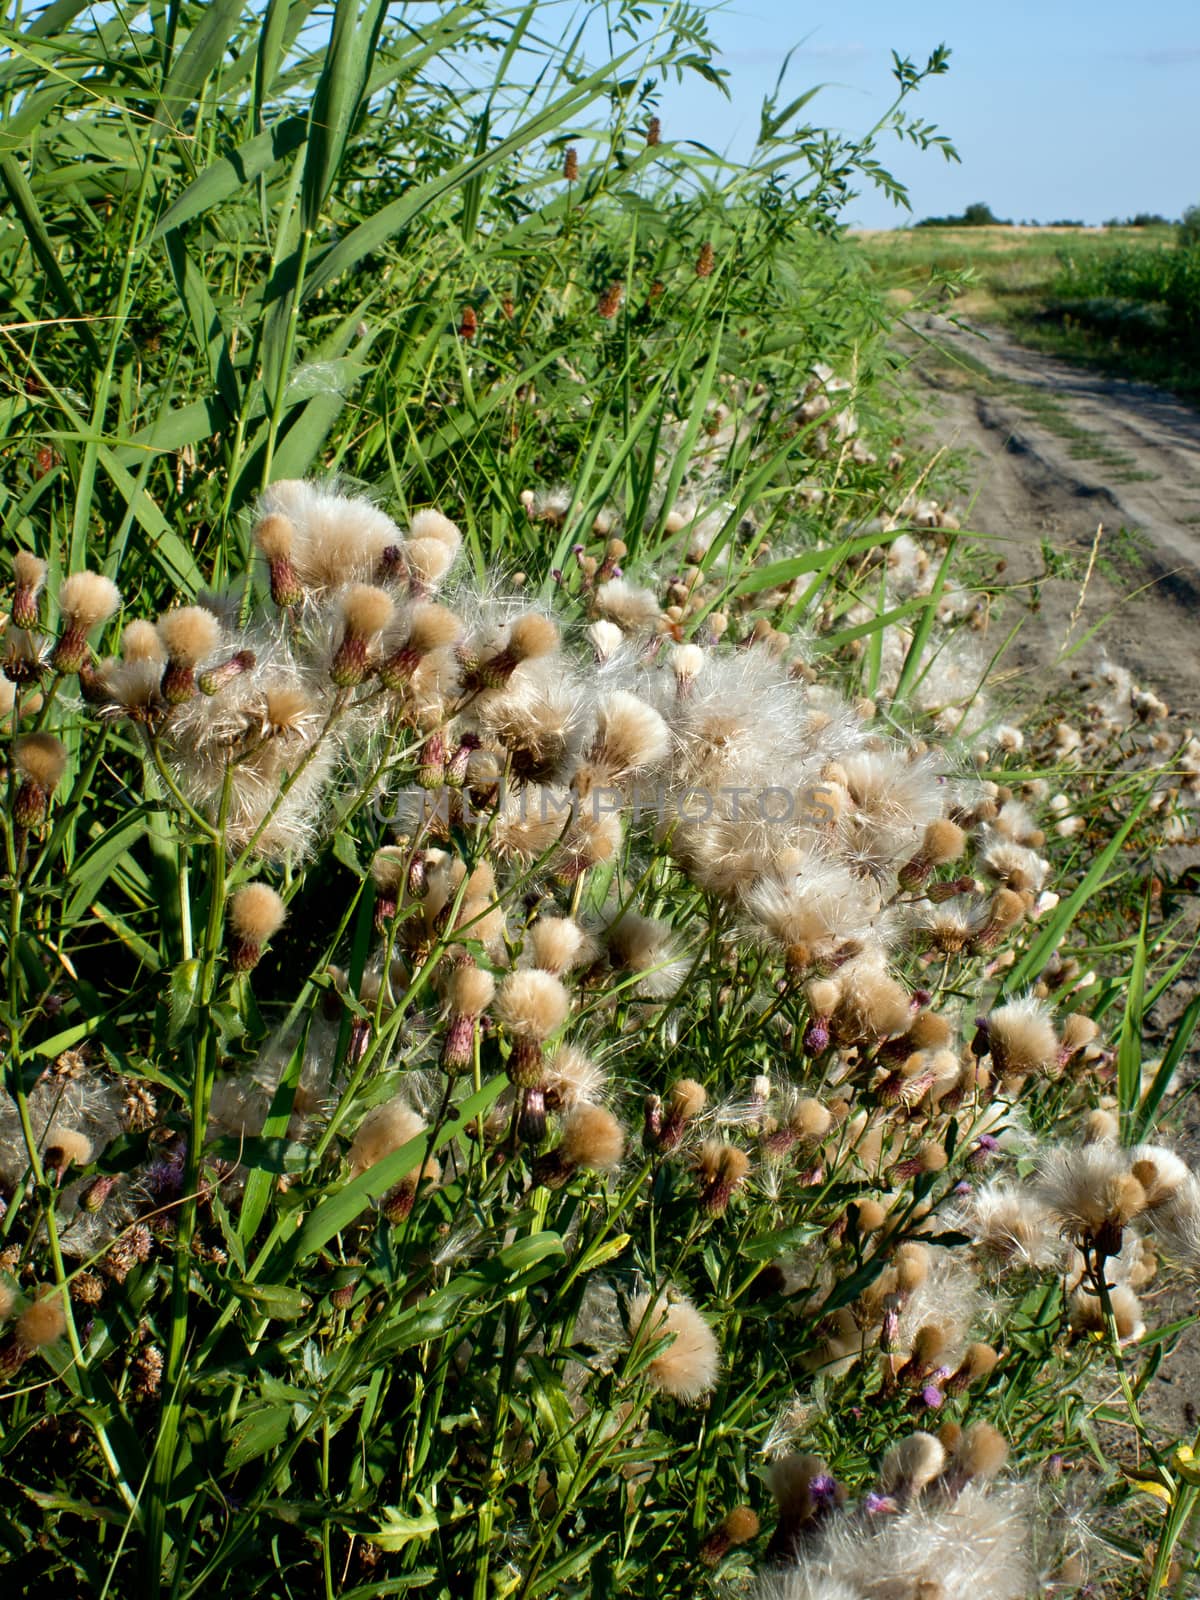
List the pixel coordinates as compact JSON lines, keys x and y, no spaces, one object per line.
{"x":1051,"y":452}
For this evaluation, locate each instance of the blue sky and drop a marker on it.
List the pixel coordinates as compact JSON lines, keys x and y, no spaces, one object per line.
{"x":1062,"y":109}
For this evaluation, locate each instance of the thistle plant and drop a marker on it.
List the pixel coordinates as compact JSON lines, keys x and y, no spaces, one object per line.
{"x":553,"y":1044}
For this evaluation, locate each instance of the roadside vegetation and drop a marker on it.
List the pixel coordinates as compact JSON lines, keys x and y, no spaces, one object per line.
{"x":563,"y":1034}
{"x":1124,"y":298}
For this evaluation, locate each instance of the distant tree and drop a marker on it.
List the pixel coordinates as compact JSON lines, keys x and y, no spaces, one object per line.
{"x":1189,"y":229}
{"x":978,"y":215}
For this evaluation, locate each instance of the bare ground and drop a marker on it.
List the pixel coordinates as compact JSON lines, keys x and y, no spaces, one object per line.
{"x":1051,"y":452}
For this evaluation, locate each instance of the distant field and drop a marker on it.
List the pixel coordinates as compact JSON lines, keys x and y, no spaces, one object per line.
{"x":1127,"y":299}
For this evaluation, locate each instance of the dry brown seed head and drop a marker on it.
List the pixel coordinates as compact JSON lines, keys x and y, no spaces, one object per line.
{"x":532,"y":1004}
{"x":275,"y":535}
{"x":592,"y":1138}
{"x":256,"y":913}
{"x":532,"y":636}
{"x":189,"y":634}
{"x":41,"y":759}
{"x":87,"y":599}
{"x":44,"y":1320}
{"x":140,"y":641}
{"x":470,"y":991}
{"x":944,"y":841}
{"x":981,"y":1452}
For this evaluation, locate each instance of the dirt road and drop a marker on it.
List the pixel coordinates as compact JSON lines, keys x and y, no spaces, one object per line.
{"x":1052,"y":451}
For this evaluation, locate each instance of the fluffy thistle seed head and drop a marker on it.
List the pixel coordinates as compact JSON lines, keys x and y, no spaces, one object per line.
{"x":40,"y":760}
{"x":385,"y":1129}
{"x":365,"y":612}
{"x":1022,"y":1039}
{"x":141,"y":641}
{"x":256,"y":913}
{"x":559,"y":944}
{"x":980,"y":1453}
{"x":530,"y":1005}
{"x":470,"y":991}
{"x":87,"y":599}
{"x":66,"y":1147}
{"x":687,"y":1369}
{"x":721,"y":1170}
{"x":431,"y":524}
{"x":29,"y":576}
{"x":911,"y":1464}
{"x":592,"y":1138}
{"x":44,"y":1320}
{"x":189,"y":634}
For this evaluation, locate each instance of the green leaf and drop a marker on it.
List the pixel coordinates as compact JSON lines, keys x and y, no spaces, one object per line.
{"x":279,"y":1301}
{"x":348,"y":1203}
{"x":201,"y":52}
{"x":230,"y":173}
{"x":256,"y":1433}
{"x":183,"y":999}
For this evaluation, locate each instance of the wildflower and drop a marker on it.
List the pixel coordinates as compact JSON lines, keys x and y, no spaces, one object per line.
{"x":147,"y":1371}
{"x":706,"y":260}
{"x":570,"y":164}
{"x":337,"y":539}
{"x":910,"y":1465}
{"x":559,"y":944}
{"x":469,"y":992}
{"x":390,"y":869}
{"x":571,"y":1079}
{"x":67,"y":1147}
{"x":275,"y":537}
{"x":529,"y":638}
{"x":425,"y":630}
{"x":256,"y":913}
{"x":530,"y":1005}
{"x":1004,"y":912}
{"x":365,"y":613}
{"x":687,"y":1368}
{"x":85,"y":600}
{"x":944,"y":842}
{"x":29,"y":573}
{"x":721,"y":1169}
{"x":605,"y":638}
{"x":40,"y":760}
{"x":805,"y":1122}
{"x":666,"y":1123}
{"x":1021,"y":1038}
{"x":384,"y":1130}
{"x":810,"y":910}
{"x":631,"y":738}
{"x":804,"y":1492}
{"x":980,"y":1360}
{"x":188,"y":635}
{"x":592,"y":1140}
{"x":646,"y":945}
{"x":632,"y":609}
{"x":739,"y":1527}
{"x":1092,"y":1194}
